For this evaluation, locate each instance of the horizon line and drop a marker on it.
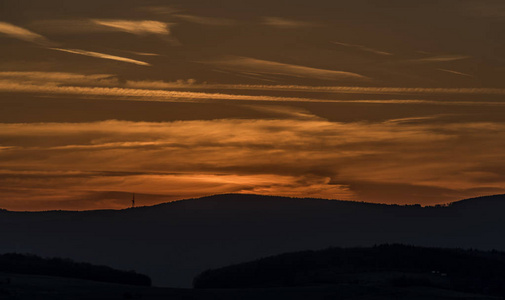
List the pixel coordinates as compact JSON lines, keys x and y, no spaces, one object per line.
{"x":448,"y":204}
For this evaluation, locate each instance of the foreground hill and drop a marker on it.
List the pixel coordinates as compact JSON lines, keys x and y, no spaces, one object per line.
{"x":32,"y":264}
{"x":29,"y":287}
{"x":386,"y":265}
{"x":174,"y":242}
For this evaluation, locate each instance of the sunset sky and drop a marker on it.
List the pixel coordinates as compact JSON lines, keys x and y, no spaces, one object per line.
{"x":390,"y":101}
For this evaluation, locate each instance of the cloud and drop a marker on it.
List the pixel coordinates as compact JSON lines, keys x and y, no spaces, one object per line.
{"x":435,"y":59}
{"x":136,"y":27}
{"x":146,"y":93}
{"x":191,"y":18}
{"x":277,"y":110}
{"x":252,"y":65}
{"x":103,"y":56}
{"x":35,"y":81}
{"x":158,"y":84}
{"x":60,"y":78}
{"x":22,"y":34}
{"x":285,"y":23}
{"x":160,"y":10}
{"x":90,"y":26}
{"x":205,"y":20}
{"x":69,"y":26}
{"x":295,"y":157}
{"x":144,"y":53}
{"x":357,"y":89}
{"x":363,"y":48}
{"x":413,"y":119}
{"x":134,"y":94}
{"x":455,"y":72}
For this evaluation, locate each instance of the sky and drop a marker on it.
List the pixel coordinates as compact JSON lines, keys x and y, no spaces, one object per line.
{"x":389,"y":101}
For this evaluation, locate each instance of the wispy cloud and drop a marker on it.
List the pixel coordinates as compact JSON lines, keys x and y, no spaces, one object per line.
{"x":68,"y":84}
{"x":91,"y":26}
{"x":356,"y":89}
{"x":159,"y":84}
{"x":60,"y":78}
{"x":141,"y":27}
{"x":184,"y":16}
{"x":413,"y":119}
{"x":144,"y":53}
{"x":161,"y":9}
{"x":286,"y":23}
{"x":135,"y":94}
{"x":363,"y":48}
{"x":252,"y":65}
{"x":292,"y":112}
{"x":22,"y":34}
{"x":205,"y":20}
{"x":103,"y":56}
{"x":69,"y":26}
{"x":436,"y":59}
{"x":455,"y":72}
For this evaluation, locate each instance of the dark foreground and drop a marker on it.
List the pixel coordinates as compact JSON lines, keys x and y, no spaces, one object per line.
{"x":13,"y":286}
{"x":174,"y":242}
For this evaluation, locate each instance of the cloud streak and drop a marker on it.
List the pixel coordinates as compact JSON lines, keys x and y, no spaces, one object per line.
{"x":205,"y":20}
{"x":437,"y":59}
{"x":22,"y":34}
{"x":285,"y":23}
{"x":363,"y":48}
{"x":156,"y":95}
{"x":103,"y":56}
{"x":357,"y":89}
{"x":135,"y":27}
{"x":60,"y":78}
{"x":252,"y":65}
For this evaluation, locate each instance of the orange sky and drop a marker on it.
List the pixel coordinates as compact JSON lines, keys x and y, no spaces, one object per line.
{"x":343,"y":100}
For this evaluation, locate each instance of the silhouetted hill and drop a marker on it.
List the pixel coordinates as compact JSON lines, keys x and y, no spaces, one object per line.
{"x":397,"y":265}
{"x":36,"y":265}
{"x":481,"y":203}
{"x":173,"y":242}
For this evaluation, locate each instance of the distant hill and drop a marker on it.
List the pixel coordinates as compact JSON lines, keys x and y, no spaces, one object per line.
{"x":36,"y":265}
{"x":481,"y":203}
{"x":395,"y":265}
{"x":174,"y":242}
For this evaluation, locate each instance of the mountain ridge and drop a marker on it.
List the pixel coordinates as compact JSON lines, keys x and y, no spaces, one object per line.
{"x":489,"y":199}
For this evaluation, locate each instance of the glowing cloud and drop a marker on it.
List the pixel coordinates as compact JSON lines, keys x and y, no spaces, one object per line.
{"x":136,"y":27}
{"x":60,"y":78}
{"x":143,"y":93}
{"x":103,"y":56}
{"x":26,"y":35}
{"x":22,"y":34}
{"x":296,"y":157}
